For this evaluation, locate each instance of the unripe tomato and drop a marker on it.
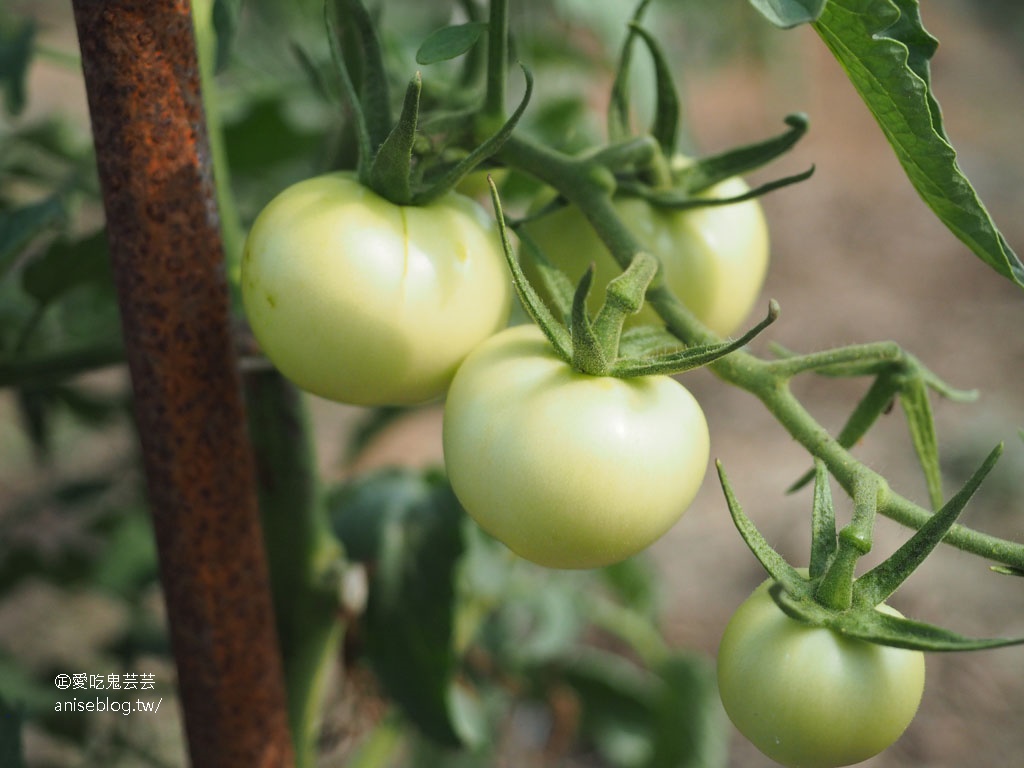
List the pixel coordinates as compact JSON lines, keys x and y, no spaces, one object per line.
{"x":808,"y":697}
{"x":569,"y":470}
{"x":359,"y":300}
{"x":715,"y":258}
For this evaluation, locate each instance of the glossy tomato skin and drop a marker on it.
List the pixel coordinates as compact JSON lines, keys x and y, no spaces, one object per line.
{"x":362,"y":301}
{"x":569,"y":470}
{"x":808,"y":697}
{"x":715,"y":258}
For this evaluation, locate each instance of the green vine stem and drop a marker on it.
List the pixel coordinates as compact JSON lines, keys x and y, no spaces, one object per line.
{"x":304,"y":558}
{"x":584,"y":185}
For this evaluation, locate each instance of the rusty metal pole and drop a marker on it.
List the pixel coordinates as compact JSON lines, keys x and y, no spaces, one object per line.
{"x":142,"y":78}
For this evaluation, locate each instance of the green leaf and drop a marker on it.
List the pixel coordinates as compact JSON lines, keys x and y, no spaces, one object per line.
{"x":407,"y":526}
{"x":789,"y":13}
{"x":16,"y":46}
{"x":449,"y":42}
{"x":885,"y":51}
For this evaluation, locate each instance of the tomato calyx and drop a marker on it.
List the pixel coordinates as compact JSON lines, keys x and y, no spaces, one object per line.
{"x":394,"y":158}
{"x":827,"y":594}
{"x":598,"y":346}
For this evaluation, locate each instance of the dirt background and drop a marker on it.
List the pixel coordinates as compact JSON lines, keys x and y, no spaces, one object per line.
{"x":856,"y":257}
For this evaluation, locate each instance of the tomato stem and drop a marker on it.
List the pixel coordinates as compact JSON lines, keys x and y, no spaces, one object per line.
{"x":766,"y":380}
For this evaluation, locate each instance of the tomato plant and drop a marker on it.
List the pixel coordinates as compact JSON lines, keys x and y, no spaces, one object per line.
{"x":569,"y":470}
{"x":810,"y":697}
{"x":715,"y":257}
{"x":360,"y":300}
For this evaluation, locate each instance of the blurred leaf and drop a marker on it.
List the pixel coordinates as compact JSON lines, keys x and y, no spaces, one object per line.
{"x":618,"y":700}
{"x":10,"y":736}
{"x":689,"y":720}
{"x":18,"y":227}
{"x":264,"y":136}
{"x":665,"y":717}
{"x":789,"y":13}
{"x":406,"y":527}
{"x":16,"y":45}
{"x":225,"y":25}
{"x":66,"y":265}
{"x":885,"y":51}
{"x":128,"y":561}
{"x":635,"y":582}
{"x":538,"y":623}
{"x":449,"y":42}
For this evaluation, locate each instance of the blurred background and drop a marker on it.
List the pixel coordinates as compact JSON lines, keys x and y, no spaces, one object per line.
{"x":856,"y":257}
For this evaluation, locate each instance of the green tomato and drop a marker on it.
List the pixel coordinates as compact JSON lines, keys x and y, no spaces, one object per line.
{"x":808,"y":697}
{"x":569,"y":470}
{"x":362,"y":301}
{"x":715,"y":258}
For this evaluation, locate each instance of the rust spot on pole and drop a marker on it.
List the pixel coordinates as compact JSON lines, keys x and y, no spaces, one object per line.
{"x":142,"y":79}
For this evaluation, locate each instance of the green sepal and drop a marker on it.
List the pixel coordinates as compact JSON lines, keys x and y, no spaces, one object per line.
{"x":913,"y":397}
{"x":823,"y":523}
{"x":482,"y":152}
{"x":835,"y":588}
{"x":873,"y":626}
{"x":881,"y":581}
{"x":648,"y":341}
{"x":680,"y":200}
{"x":665,"y":128}
{"x":374,"y":93}
{"x":556,"y":283}
{"x":618,"y":104}
{"x":775,"y":564}
{"x":692,"y":357}
{"x":707,"y":171}
{"x":450,"y":42}
{"x":624,"y":296}
{"x":350,"y":96}
{"x":588,"y":354}
{"x":391,"y":170}
{"x":535,"y":307}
